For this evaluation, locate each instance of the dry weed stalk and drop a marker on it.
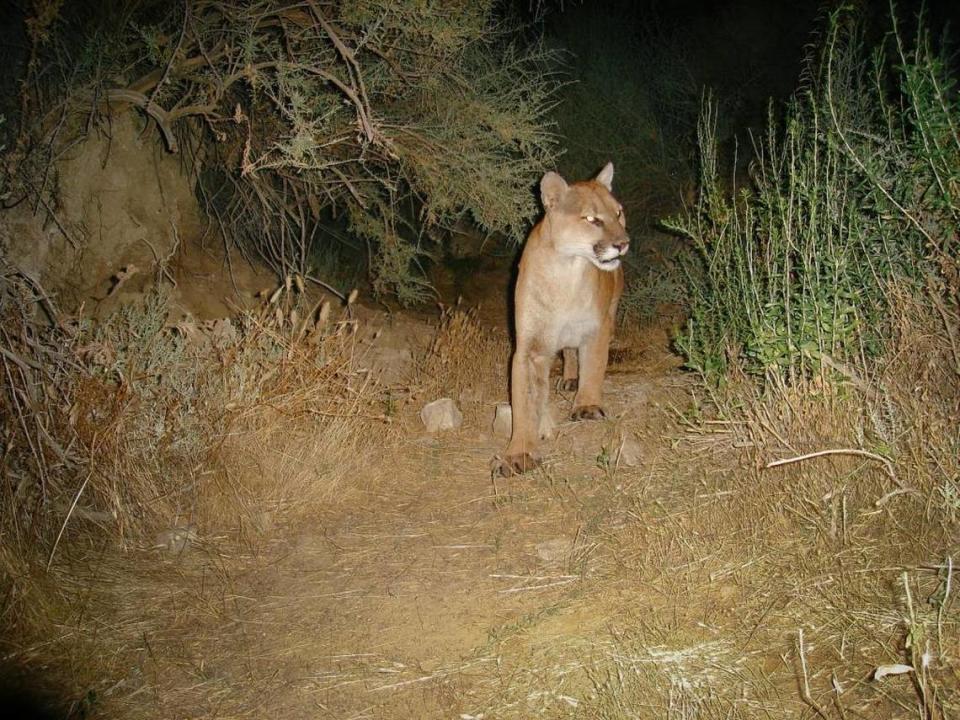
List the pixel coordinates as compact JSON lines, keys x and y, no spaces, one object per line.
{"x":466,"y":361}
{"x":117,"y":430}
{"x":837,"y":451}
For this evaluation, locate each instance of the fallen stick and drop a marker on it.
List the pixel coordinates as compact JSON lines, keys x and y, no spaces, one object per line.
{"x":839,"y":451}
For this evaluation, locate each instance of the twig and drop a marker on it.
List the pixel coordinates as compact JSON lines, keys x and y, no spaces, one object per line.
{"x":161,"y":263}
{"x":23,"y":363}
{"x":805,"y":690}
{"x":150,"y":108}
{"x":839,"y":451}
{"x":73,"y":505}
{"x":359,"y":95}
{"x":171,"y":254}
{"x":173,"y":54}
{"x":943,"y":607}
{"x":42,"y":297}
{"x":327,"y":287}
{"x":892,"y":494}
{"x":349,"y":185}
{"x":433,"y":676}
{"x":543,"y":586}
{"x":56,"y":221}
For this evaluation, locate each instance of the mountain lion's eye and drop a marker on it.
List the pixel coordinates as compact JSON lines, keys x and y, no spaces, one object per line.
{"x":593,"y":219}
{"x":619,"y":213}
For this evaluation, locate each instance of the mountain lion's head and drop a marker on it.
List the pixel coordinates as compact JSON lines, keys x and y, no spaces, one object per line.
{"x":584,"y":219}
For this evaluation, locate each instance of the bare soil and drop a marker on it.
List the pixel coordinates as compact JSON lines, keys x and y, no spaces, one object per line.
{"x":648,"y":569}
{"x":419,"y":592}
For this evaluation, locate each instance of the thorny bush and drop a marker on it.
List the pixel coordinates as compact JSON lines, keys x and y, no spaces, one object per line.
{"x":395,"y":118}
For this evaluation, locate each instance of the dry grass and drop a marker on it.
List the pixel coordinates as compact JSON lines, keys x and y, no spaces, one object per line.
{"x":340,"y":560}
{"x":724,"y":585}
{"x":467,"y":362}
{"x":132,"y":433}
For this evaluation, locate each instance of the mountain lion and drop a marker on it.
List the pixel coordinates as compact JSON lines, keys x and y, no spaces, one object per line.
{"x":566,"y":299}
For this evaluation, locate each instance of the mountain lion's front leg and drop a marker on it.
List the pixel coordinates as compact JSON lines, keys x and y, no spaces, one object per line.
{"x":528,"y":398}
{"x":587,"y":405}
{"x":570,"y":369}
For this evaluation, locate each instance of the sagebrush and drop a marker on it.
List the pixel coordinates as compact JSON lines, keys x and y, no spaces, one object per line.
{"x":851,"y":194}
{"x":391,"y":118}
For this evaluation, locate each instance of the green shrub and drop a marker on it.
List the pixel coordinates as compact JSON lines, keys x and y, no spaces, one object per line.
{"x":857,"y":188}
{"x":395,"y":117}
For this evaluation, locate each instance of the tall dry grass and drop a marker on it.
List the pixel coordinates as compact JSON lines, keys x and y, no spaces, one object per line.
{"x":135,"y":432}
{"x":467,"y":362}
{"x":844,"y":501}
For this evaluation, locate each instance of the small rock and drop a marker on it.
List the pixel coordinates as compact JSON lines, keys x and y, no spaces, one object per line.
{"x":628,"y":452}
{"x":503,"y":420}
{"x":389,"y":364}
{"x":440,"y":415}
{"x":556,"y":551}
{"x":176,"y":540}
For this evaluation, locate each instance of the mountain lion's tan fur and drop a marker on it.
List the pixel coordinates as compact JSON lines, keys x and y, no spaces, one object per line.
{"x":569,"y":284}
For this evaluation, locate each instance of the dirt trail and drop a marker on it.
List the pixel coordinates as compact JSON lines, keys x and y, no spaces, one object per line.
{"x":410,"y":590}
{"x":427,"y":590}
{"x":647,"y":569}
{"x":406,"y":598}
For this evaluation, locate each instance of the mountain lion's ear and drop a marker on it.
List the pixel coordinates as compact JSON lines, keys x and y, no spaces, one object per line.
{"x":605,"y":176}
{"x":552,"y":189}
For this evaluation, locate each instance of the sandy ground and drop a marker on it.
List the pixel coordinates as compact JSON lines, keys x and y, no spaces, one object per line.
{"x":646,"y":570}
{"x":406,"y":599}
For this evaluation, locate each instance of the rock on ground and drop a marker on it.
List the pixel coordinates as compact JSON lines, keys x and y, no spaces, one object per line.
{"x":440,"y":415}
{"x":628,"y":452}
{"x":503,"y":420}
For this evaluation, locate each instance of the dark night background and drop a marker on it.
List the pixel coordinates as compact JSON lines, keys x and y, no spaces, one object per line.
{"x":748,"y":51}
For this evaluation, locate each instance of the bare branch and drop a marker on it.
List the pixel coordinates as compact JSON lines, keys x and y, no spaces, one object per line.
{"x":888,"y":466}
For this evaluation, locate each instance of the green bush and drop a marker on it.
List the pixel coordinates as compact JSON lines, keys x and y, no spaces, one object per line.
{"x":396,"y":117}
{"x":856,"y":189}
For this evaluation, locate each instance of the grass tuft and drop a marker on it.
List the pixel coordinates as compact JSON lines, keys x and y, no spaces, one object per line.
{"x":133,"y":430}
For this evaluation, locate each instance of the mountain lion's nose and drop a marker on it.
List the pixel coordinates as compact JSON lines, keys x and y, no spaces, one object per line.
{"x":622,"y":246}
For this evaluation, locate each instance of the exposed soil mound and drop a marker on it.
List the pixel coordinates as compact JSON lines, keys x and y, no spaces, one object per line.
{"x":125,"y":208}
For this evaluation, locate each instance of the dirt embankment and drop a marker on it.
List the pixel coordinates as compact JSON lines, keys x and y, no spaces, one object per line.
{"x":125,"y":208}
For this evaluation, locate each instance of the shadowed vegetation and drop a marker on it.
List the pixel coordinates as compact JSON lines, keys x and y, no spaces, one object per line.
{"x":393,"y":118}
